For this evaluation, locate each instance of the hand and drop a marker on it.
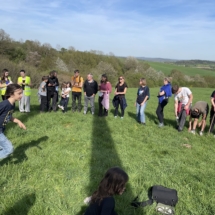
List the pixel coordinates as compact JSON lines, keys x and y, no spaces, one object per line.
{"x":115,"y":93}
{"x":93,"y":95}
{"x":142,"y":104}
{"x":21,"y":125}
{"x":185,"y":107}
{"x":49,"y":84}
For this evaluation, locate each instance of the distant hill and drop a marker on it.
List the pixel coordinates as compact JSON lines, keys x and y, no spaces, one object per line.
{"x":160,"y":60}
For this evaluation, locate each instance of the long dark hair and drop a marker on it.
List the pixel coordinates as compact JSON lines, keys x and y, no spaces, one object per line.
{"x":3,"y":75}
{"x":11,"y":89}
{"x":106,"y":79}
{"x":113,"y":183}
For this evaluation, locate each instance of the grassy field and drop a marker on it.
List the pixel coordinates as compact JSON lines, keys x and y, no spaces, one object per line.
{"x":167,"y":68}
{"x":61,"y":158}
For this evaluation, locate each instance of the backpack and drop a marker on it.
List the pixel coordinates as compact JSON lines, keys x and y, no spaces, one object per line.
{"x":165,"y":198}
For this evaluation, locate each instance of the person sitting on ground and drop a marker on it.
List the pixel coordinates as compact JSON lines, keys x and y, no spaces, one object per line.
{"x":90,"y":90}
{"x":102,"y":201}
{"x":13,"y":93}
{"x":163,"y":98}
{"x":105,"y":89}
{"x":141,"y":101}
{"x":212,"y":112}
{"x":199,"y":109}
{"x":183,"y":101}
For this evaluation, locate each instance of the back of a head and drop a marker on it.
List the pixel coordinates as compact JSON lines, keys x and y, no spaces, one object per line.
{"x":175,"y":89}
{"x":194,"y":114}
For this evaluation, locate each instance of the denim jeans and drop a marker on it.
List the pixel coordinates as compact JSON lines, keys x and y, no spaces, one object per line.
{"x":140,"y":112}
{"x":6,"y":147}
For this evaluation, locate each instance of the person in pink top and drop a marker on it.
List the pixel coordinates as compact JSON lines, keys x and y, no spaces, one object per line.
{"x":105,"y":89}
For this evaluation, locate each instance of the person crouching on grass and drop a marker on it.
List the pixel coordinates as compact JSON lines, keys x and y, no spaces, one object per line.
{"x":200,"y":108}
{"x":102,"y":201}
{"x":13,"y":94}
{"x":141,"y":102}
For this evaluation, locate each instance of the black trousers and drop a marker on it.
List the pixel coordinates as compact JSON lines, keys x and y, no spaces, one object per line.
{"x":43,"y":104}
{"x":212,"y":121}
{"x":64,"y":102}
{"x":102,"y":111}
{"x":52,"y":95}
{"x":119,"y":102}
{"x":159,"y":110}
{"x":76,"y":96}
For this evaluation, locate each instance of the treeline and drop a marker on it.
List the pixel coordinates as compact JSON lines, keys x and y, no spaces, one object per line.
{"x":39,"y":59}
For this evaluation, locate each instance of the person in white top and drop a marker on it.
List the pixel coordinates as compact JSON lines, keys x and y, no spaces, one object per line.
{"x":183,"y":102}
{"x":66,"y":88}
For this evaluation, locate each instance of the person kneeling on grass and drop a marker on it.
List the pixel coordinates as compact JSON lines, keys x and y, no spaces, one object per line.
{"x":13,"y":94}
{"x":183,"y":100}
{"x":102,"y":201}
{"x":200,"y":108}
{"x":141,"y":101}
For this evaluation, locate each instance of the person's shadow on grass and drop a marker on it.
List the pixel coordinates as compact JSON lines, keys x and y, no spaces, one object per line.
{"x":19,"y":152}
{"x":23,"y":206}
{"x":104,"y":155}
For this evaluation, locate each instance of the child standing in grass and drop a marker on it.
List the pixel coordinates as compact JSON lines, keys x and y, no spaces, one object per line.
{"x":102,"y":201}
{"x":13,"y":94}
{"x":66,"y":88}
{"x":141,"y":101}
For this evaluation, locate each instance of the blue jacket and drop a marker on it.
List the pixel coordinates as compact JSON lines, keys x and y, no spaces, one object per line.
{"x":118,"y":98}
{"x":168,"y":92}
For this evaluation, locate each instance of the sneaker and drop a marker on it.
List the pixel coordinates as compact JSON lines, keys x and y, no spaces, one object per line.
{"x":61,"y":107}
{"x":92,"y":113}
{"x":85,"y":112}
{"x":160,"y":125}
{"x":115,"y":117}
{"x":193,"y":132}
{"x":121,"y":117}
{"x":201,"y":133}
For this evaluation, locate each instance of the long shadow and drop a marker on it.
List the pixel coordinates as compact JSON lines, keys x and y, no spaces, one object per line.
{"x":103,"y":157}
{"x":19,"y":152}
{"x":23,"y":206}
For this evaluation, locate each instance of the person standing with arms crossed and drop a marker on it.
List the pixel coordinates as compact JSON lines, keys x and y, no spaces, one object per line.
{"x":77,"y":83}
{"x":25,"y":82}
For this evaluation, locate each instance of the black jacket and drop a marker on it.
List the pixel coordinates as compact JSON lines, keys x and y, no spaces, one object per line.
{"x":90,"y":88}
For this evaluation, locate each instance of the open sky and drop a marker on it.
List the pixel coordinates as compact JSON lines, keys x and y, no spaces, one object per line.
{"x":178,"y":29}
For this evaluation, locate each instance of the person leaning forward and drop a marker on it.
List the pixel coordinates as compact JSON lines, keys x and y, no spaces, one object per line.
{"x":77,"y":83}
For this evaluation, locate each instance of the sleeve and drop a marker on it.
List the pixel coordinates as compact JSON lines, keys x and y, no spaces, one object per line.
{"x":109,"y":87}
{"x":81,"y":80}
{"x":2,"y":107}
{"x":212,"y":95}
{"x":116,"y":86}
{"x":147,"y":92}
{"x":188,"y":91}
{"x":108,"y":207}
{"x":138,"y":92}
{"x":95,"y":88}
{"x":57,"y":82}
{"x":85,"y":86}
{"x":126,"y":86}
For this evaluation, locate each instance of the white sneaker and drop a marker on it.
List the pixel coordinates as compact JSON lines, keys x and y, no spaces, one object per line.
{"x":92,"y":113}
{"x":85,"y":112}
{"x":61,"y":107}
{"x":115,"y":117}
{"x":193,"y":132}
{"x":121,"y":117}
{"x":201,"y":133}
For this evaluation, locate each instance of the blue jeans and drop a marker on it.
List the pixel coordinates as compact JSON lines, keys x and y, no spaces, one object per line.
{"x":140,"y":112}
{"x":6,"y":147}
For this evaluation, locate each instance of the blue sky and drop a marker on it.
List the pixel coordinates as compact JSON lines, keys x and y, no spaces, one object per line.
{"x":175,"y":29}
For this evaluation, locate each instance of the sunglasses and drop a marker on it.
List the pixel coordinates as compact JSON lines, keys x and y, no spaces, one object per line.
{"x":120,"y":78}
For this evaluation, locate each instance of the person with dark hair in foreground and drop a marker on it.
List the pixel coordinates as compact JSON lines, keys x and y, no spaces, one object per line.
{"x":102,"y":201}
{"x":183,"y":102}
{"x":13,"y":94}
{"x":199,"y":109}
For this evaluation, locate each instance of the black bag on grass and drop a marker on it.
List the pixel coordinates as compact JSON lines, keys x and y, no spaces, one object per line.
{"x":165,"y":198}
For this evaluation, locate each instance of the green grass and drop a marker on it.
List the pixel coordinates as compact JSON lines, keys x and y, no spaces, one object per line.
{"x":166,"y":68}
{"x":61,"y":158}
